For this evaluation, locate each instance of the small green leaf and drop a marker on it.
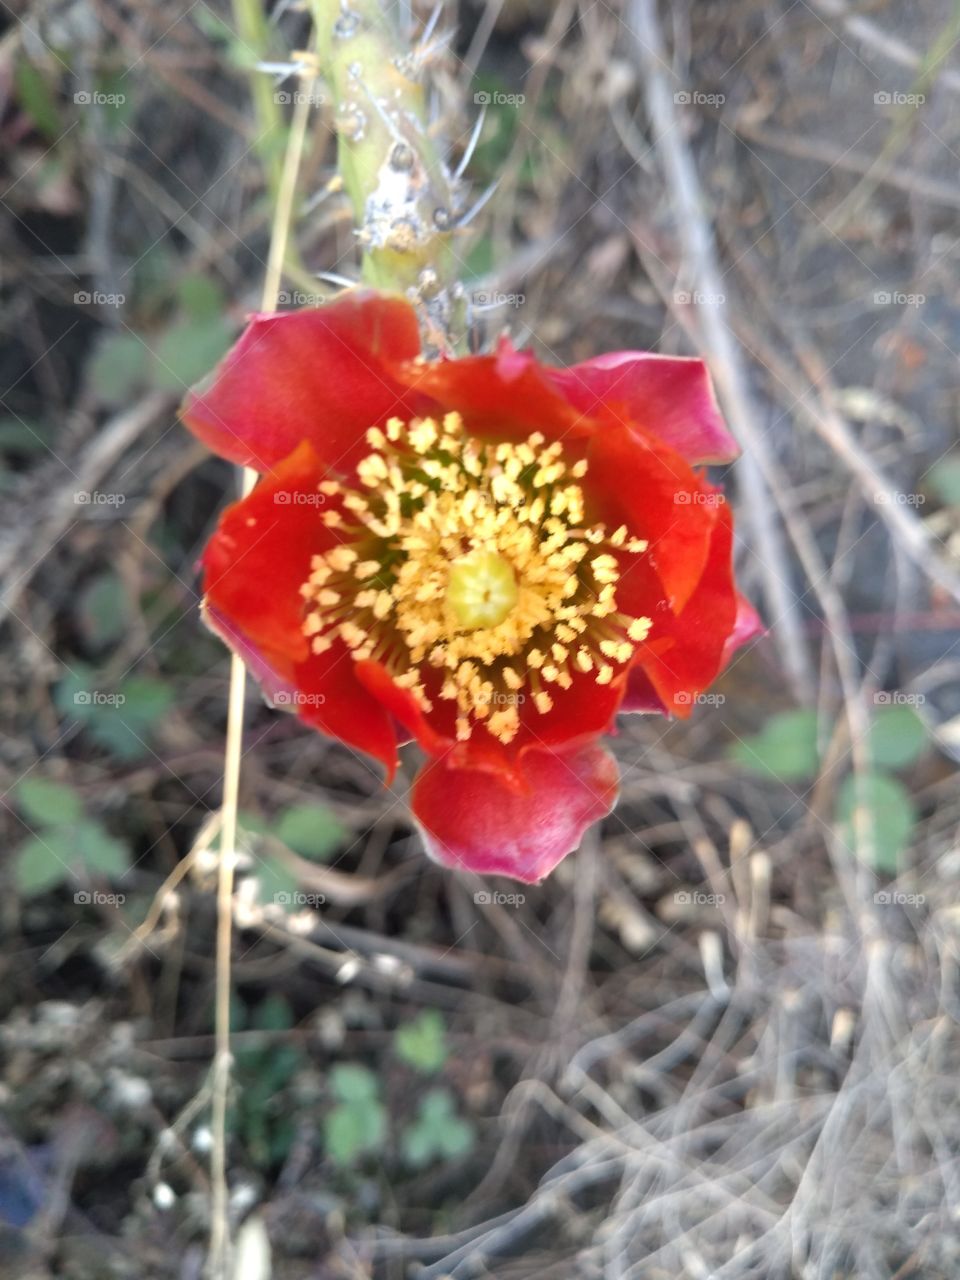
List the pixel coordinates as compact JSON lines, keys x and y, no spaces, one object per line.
{"x":351,"y":1082}
{"x":201,"y":297}
{"x":310,"y":830}
{"x":350,"y":1130}
{"x":188,"y":350}
{"x":23,"y":435}
{"x":898,"y":737}
{"x":877,"y":816}
{"x":37,"y":98}
{"x":48,"y":803}
{"x":118,"y":368}
{"x":43,"y":863}
{"x":786,"y":747}
{"x":101,"y":853}
{"x":273,"y":1013}
{"x":102,"y":609}
{"x":944,"y":477}
{"x":423,"y":1042}
{"x":437,"y":1133}
{"x":278,"y":887}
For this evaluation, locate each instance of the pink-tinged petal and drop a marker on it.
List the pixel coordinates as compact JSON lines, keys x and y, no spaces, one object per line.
{"x":641,"y":695}
{"x":324,"y":374}
{"x":746,"y":627}
{"x":666,"y":397}
{"x":473,"y":820}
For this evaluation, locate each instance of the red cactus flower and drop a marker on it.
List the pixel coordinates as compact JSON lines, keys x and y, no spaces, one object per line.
{"x":485,"y":554}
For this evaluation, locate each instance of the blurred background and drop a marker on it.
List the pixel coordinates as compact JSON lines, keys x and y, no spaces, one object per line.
{"x":722,"y":1039}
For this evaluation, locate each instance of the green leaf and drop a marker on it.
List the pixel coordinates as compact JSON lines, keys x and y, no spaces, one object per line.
{"x":43,"y":864}
{"x":37,"y":98}
{"x":201,"y":297}
{"x":310,"y":830}
{"x":47,"y":803}
{"x":273,"y":1013}
{"x":278,"y":887}
{"x":188,"y":350}
{"x":101,"y":853}
{"x":351,"y":1129}
{"x":944,"y":478}
{"x":877,"y":816}
{"x":351,"y":1082}
{"x":102,"y":609}
{"x":119,"y":368}
{"x":898,"y":737}
{"x":125,"y":724}
{"x":786,"y":747}
{"x":437,"y":1133}
{"x":423,"y":1042}
{"x":23,"y":435}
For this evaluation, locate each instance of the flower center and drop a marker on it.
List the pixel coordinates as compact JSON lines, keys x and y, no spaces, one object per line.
{"x":470,"y":571}
{"x":481,"y":590}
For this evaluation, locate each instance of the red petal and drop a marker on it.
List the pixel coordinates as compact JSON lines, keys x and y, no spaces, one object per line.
{"x":654,"y":492}
{"x":323,"y":374}
{"x":505,"y":395}
{"x":747,"y":626}
{"x":473,"y":820}
{"x":686,"y":653}
{"x":255,"y":564}
{"x":668,"y":397}
{"x":641,"y":695}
